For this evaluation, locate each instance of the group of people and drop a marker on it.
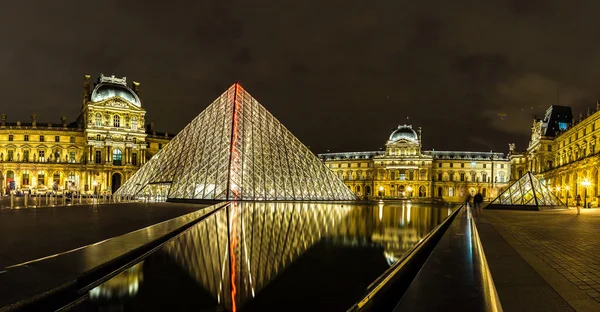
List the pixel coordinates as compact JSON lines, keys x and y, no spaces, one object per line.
{"x":476,"y":205}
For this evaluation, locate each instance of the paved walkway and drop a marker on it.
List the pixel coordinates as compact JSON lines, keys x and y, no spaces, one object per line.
{"x":563,"y":248}
{"x":28,"y":234}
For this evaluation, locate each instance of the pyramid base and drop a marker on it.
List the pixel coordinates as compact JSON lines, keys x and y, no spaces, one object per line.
{"x":523,"y":207}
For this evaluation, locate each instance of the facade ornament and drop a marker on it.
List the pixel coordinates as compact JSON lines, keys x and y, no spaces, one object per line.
{"x":113,"y":79}
{"x":18,"y":124}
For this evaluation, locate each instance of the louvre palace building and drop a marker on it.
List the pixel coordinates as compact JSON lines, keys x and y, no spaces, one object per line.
{"x":97,"y":152}
{"x":562,"y":154}
{"x":404,"y":170}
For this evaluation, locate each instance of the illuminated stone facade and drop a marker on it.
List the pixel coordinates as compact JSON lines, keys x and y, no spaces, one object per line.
{"x":404,"y":170}
{"x":97,"y":152}
{"x":562,"y":153}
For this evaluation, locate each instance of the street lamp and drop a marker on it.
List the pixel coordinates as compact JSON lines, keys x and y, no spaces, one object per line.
{"x":567,"y":188}
{"x":558,"y":191}
{"x":381,"y":191}
{"x":409,"y":189}
{"x":585,"y":183}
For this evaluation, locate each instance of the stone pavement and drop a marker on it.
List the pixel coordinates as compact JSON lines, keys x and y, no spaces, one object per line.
{"x":563,"y":248}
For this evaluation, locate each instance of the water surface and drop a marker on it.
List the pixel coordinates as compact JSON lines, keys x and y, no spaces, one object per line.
{"x":271,"y":257}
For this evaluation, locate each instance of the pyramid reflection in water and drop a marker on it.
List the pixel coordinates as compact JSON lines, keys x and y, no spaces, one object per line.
{"x":527,"y":193}
{"x":266,"y":238}
{"x":235,"y":149}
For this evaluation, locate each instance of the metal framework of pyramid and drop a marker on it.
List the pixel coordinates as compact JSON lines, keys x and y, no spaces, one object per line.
{"x":236,"y":150}
{"x":526,"y":193}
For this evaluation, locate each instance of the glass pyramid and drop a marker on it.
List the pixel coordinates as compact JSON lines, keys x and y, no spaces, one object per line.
{"x":236,"y":150}
{"x":527,"y":191}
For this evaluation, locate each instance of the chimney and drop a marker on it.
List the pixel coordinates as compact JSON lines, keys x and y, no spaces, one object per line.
{"x":63,"y":119}
{"x":598,"y":105}
{"x":419,"y":133}
{"x":33,"y":121}
{"x":152,"y":130}
{"x":136,"y":87}
{"x":86,"y":88}
{"x":3,"y":120}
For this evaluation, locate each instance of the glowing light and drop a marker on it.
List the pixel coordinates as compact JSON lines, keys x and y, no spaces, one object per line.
{"x":380,"y":212}
{"x":586,"y":182}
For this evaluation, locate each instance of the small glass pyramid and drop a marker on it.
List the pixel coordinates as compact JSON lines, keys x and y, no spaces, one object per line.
{"x":236,"y":150}
{"x":527,"y":191}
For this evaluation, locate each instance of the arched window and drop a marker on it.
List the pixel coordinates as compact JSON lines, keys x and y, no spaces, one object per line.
{"x":117,"y":157}
{"x":134,"y":123}
{"x":501,"y":176}
{"x":116,"y":121}
{"x":98,"y":138}
{"x":98,"y":120}
{"x":450,"y":191}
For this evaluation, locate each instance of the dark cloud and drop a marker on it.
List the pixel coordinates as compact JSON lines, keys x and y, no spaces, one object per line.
{"x":339,"y":74}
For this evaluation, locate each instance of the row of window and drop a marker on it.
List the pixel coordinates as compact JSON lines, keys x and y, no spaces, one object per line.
{"x":41,"y":177}
{"x":116,"y":121}
{"x":39,"y":157}
{"x":117,"y":158}
{"x":462,"y":177}
{"x":473,"y":165}
{"x":42,"y":138}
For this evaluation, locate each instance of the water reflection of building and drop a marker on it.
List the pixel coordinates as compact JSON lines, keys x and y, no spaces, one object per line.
{"x":404,"y":170}
{"x":97,"y":152}
{"x":265,"y":238}
{"x":125,"y":284}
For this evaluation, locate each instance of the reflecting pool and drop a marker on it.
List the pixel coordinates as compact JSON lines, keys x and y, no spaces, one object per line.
{"x":254,"y":256}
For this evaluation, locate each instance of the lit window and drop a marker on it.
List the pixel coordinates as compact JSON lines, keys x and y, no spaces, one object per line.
{"x":98,"y":120}
{"x":473,"y":164}
{"x":25,"y":179}
{"x":117,"y":157}
{"x":41,"y":157}
{"x":562,"y":126}
{"x":41,"y":178}
{"x":10,"y":137}
{"x":116,"y":121}
{"x":134,"y":121}
{"x":26,"y":137}
{"x":98,"y":138}
{"x":450,"y":191}
{"x":72,"y":157}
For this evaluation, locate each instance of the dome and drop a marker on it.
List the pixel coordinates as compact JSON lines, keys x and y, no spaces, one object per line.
{"x":104,"y":91}
{"x":404,"y":132}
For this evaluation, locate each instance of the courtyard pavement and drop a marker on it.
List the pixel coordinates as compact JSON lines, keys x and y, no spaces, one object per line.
{"x":33,"y":233}
{"x":541,"y":260}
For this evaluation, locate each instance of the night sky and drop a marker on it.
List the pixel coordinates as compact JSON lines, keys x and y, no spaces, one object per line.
{"x":338,"y":74}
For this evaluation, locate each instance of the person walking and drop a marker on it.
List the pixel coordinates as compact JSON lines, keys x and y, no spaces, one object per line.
{"x":578,"y":200}
{"x":478,"y":201}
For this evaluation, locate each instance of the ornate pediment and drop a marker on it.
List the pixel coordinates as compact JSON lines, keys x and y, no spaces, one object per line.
{"x":117,"y":102}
